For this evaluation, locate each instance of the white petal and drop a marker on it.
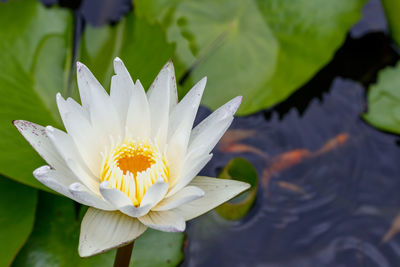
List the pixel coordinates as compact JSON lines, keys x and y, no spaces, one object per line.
{"x":155,"y":194}
{"x":167,"y":221}
{"x":38,"y":139}
{"x":191,"y":167}
{"x":59,"y":182}
{"x":122,"y":202}
{"x":119,"y":200}
{"x":181,"y":123}
{"x":85,"y":138}
{"x":113,"y":195}
{"x":82,"y":194}
{"x":121,"y":88}
{"x":187,"y":107}
{"x":207,"y":134}
{"x":69,"y":105}
{"x":173,"y":98}
{"x":185,"y":195}
{"x":87,"y":84}
{"x":176,"y":150}
{"x":217,"y":191}
{"x":84,"y":175}
{"x":169,"y":81}
{"x":66,"y":147}
{"x":159,"y":102}
{"x":138,"y":116}
{"x":56,"y":180}
{"x":104,"y":118}
{"x":105,"y":230}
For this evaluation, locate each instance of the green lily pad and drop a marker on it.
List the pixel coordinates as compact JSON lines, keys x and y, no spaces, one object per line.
{"x":384,"y":101}
{"x":17,"y":215}
{"x":142,"y":47}
{"x":392,"y":10}
{"x":263,"y":50}
{"x":241,"y":170}
{"x":34,"y":65}
{"x":55,"y":238}
{"x":155,"y":248}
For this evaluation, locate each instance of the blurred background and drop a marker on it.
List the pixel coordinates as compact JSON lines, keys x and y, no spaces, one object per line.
{"x":317,"y":134}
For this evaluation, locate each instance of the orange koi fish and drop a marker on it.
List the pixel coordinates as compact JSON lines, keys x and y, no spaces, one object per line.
{"x":284,"y":161}
{"x":393,"y":230}
{"x":333,"y":143}
{"x":292,"y":187}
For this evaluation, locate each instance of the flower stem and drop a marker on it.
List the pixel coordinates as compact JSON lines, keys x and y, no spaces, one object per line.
{"x":123,"y":256}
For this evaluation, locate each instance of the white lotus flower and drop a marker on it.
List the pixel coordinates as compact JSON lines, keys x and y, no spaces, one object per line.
{"x":132,"y":157}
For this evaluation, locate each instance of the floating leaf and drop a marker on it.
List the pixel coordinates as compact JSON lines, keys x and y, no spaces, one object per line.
{"x":384,"y":101}
{"x":142,"y":47}
{"x":392,"y":10}
{"x":54,"y":240}
{"x":241,"y":170}
{"x":34,"y":66}
{"x":155,"y":248}
{"x":17,"y":215}
{"x":263,"y":50}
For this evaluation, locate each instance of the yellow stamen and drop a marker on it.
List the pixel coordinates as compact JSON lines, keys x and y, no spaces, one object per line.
{"x":133,"y":167}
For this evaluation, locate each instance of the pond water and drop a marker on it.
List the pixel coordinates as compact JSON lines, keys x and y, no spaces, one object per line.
{"x":329,"y":182}
{"x":329,"y":191}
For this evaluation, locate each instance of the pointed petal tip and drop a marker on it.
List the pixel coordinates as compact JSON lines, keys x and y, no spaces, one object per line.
{"x":246,"y":186}
{"x":202,"y":83}
{"x":80,"y":66}
{"x":170,"y":63}
{"x":85,"y":250}
{"x":234,"y":104}
{"x":20,"y":124}
{"x":238,"y":99}
{"x":169,"y":66}
{"x":118,"y":65}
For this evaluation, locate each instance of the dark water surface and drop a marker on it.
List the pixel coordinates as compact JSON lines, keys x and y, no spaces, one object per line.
{"x":344,"y":199}
{"x":329,"y":183}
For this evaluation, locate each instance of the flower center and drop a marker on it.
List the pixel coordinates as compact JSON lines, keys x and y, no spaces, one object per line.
{"x":132,"y":167}
{"x":135,"y":161}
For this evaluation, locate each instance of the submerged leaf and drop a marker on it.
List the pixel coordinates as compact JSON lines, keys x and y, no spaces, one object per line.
{"x":241,"y":170}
